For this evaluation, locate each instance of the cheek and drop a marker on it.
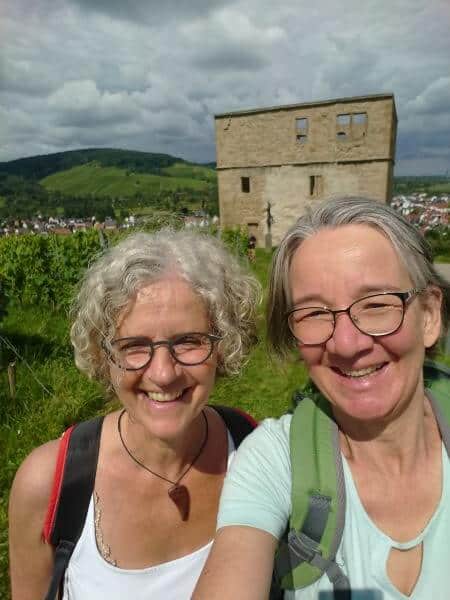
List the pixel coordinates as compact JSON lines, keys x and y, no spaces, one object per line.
{"x":207,"y":377}
{"x":310,"y":355}
{"x":119,"y":379}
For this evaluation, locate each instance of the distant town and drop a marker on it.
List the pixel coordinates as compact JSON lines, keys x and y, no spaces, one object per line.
{"x":424,"y":211}
{"x":66,"y":226}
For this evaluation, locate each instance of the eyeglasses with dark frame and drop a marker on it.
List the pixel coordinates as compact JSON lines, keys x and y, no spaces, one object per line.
{"x":187,"y":349}
{"x":375,"y":315}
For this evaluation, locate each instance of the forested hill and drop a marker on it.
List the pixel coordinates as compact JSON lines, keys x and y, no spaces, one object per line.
{"x":38,"y":167}
{"x":104,"y":182}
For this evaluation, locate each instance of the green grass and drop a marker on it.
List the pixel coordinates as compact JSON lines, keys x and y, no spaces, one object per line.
{"x":439,"y":188}
{"x":112,"y":181}
{"x":37,"y":415}
{"x":191,"y":172}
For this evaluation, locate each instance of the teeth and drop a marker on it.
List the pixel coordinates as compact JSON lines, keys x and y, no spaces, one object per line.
{"x":163,"y":396}
{"x":361,"y":372}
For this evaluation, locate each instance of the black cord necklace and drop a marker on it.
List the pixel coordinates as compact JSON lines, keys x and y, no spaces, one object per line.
{"x":179,"y":494}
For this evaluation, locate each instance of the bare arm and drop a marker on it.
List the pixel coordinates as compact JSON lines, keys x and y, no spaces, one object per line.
{"x":31,"y":559}
{"x":240,"y":565}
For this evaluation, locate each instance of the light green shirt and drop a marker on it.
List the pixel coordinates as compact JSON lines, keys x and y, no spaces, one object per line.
{"x":257,"y":493}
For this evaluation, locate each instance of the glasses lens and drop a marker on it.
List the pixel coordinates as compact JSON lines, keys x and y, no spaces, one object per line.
{"x":378,"y":315}
{"x":131,"y":354}
{"x":192,"y":348}
{"x":311,"y":325}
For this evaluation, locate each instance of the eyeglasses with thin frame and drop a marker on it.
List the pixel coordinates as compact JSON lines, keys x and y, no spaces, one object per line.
{"x":375,"y":315}
{"x":188,"y":349}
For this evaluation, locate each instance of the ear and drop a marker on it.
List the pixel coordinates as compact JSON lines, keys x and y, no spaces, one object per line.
{"x":432,"y":323}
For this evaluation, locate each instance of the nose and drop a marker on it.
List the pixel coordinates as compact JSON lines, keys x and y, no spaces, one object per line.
{"x":347,"y":340}
{"x":162,"y":369}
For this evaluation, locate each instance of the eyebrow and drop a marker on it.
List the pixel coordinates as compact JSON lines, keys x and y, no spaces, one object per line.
{"x":367,"y":290}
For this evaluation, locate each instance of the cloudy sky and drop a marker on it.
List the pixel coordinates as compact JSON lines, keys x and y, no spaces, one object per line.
{"x":150,"y":74}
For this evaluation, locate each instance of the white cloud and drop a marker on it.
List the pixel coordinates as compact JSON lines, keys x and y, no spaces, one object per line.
{"x":151,"y":75}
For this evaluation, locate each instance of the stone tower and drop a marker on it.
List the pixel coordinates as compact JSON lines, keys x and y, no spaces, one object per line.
{"x":272,"y":162}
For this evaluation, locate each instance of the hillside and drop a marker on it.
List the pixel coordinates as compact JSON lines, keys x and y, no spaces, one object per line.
{"x":38,"y":167}
{"x":105,"y":182}
{"x":432,"y":184}
{"x":97,"y":180}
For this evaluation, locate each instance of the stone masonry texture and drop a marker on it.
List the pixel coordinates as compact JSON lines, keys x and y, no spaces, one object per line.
{"x":295,"y":155}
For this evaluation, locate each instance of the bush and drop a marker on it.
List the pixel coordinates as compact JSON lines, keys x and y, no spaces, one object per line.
{"x":39,"y":269}
{"x":235,"y":240}
{"x":44,"y":269}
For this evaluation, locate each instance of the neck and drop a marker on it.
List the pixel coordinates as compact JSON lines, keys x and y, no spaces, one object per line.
{"x":394,"y":445}
{"x":167,"y":457}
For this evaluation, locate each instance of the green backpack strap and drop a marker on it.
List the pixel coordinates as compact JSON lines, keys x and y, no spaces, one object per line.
{"x":318,"y":500}
{"x":437,"y":384}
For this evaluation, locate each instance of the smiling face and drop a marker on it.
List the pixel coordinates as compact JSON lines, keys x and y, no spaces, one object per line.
{"x":364,"y":377}
{"x":164,"y":397}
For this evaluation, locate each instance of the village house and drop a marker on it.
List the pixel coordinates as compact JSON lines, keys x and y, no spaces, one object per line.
{"x":273,"y":162}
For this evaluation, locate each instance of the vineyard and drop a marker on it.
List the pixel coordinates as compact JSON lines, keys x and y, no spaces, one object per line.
{"x":38,"y":275}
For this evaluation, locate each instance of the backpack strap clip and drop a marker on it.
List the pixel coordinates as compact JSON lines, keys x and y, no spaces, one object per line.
{"x":302,"y":549}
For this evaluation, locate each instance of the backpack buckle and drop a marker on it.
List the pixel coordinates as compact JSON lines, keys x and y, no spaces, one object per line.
{"x":301,"y":547}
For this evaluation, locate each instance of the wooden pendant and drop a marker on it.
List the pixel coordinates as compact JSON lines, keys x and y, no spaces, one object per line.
{"x":179,"y":495}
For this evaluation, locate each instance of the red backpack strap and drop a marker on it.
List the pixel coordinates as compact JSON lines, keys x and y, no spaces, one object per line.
{"x":238,"y":422}
{"x":57,"y":483}
{"x":73,"y":485}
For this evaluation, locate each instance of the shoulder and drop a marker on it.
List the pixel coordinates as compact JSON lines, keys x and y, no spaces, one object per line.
{"x":267,"y":445}
{"x":30,"y":558}
{"x":34,"y":479}
{"x":271,"y":434}
{"x":257,"y":487}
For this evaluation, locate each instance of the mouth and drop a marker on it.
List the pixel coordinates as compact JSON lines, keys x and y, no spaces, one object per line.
{"x":164,"y":397}
{"x":357,"y":373}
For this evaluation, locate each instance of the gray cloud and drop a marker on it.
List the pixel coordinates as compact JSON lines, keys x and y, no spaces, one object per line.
{"x":150,"y":75}
{"x":150,"y":12}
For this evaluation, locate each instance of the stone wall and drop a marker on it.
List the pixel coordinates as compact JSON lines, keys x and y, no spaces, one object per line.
{"x":288,"y":188}
{"x":300,"y":154}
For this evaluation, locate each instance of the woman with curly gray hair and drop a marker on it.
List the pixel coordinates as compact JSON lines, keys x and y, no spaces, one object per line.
{"x":157,"y":317}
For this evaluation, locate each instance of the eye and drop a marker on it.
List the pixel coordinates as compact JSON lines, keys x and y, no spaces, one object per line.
{"x":132,"y":345}
{"x":189,"y":341}
{"x":376,"y":304}
{"x":311,"y":314}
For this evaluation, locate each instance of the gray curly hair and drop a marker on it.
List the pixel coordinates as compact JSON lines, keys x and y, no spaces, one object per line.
{"x":230,"y":294}
{"x":412,"y":248}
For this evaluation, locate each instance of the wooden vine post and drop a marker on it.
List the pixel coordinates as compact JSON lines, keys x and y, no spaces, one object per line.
{"x":12,"y":379}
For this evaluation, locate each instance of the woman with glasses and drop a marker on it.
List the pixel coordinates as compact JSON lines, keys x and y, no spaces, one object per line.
{"x":354,"y":292}
{"x":157,"y":318}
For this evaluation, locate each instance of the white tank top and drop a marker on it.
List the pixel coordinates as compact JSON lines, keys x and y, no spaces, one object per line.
{"x":90,"y":577}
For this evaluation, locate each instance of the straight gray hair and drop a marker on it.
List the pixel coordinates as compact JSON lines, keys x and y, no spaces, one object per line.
{"x":412,"y":248}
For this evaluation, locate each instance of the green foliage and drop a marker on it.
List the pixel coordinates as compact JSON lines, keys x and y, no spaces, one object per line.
{"x":113,"y":181}
{"x":38,"y":269}
{"x":38,"y":167}
{"x":236,"y":240}
{"x":92,"y":190}
{"x":36,"y":415}
{"x":44,"y":269}
{"x":432,"y":185}
{"x":439,"y":240}
{"x":41,"y":337}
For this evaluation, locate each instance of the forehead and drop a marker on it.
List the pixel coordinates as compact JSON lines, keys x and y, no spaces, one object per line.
{"x":345,"y":262}
{"x":169,"y":302}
